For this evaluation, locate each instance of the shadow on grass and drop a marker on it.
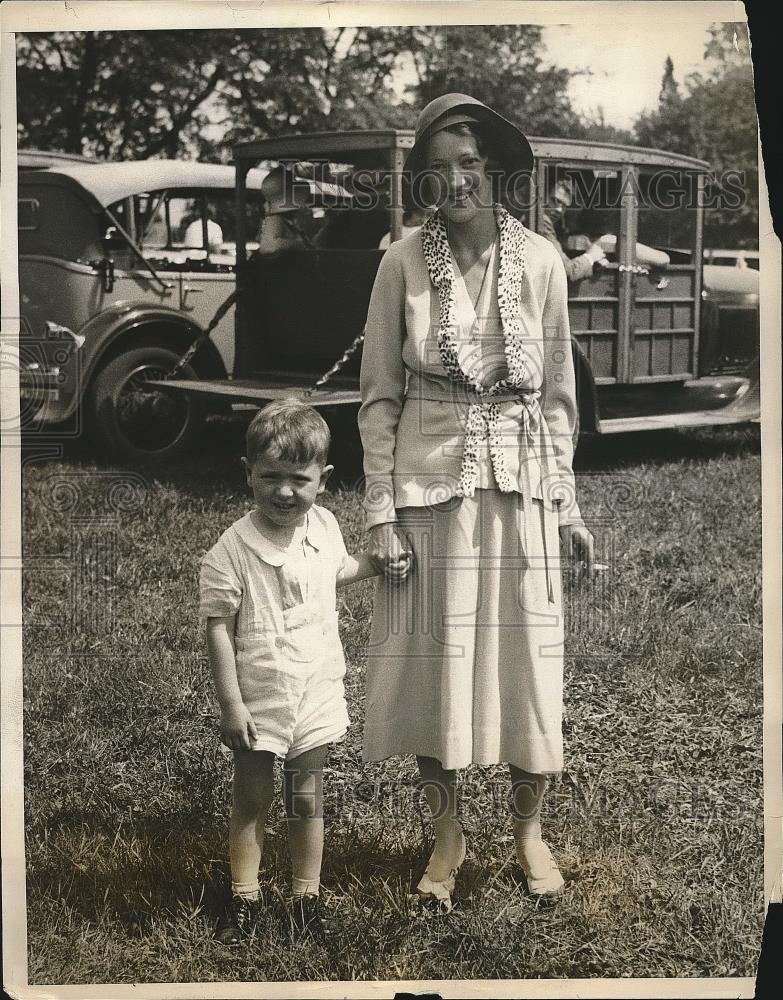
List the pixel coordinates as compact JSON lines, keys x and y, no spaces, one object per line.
{"x":658,"y":448}
{"x":156,"y":870}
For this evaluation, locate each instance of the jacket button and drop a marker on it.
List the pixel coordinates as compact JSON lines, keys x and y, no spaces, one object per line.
{"x":279,"y":641}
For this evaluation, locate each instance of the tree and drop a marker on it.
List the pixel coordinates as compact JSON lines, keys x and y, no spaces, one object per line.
{"x":595,"y":128}
{"x":668,"y":127}
{"x":311,"y":79}
{"x":502,"y":65}
{"x":121,"y":94}
{"x":725,"y":133}
{"x":715,"y":121}
{"x":117,"y":94}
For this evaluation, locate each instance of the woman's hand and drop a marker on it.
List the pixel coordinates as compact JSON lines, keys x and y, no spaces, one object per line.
{"x":579,"y":546}
{"x":390,"y":551}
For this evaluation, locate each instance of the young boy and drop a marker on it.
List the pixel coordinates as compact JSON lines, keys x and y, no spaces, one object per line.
{"x":267,"y":591}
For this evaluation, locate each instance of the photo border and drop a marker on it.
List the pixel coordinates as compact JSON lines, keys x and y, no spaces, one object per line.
{"x":16,"y":15}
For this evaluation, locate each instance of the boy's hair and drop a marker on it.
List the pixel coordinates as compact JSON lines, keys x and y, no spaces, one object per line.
{"x":290,"y":430}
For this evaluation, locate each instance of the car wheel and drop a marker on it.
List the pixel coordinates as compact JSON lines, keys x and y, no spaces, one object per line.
{"x":129,"y":422}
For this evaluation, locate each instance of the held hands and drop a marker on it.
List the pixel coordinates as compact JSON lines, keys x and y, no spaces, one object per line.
{"x":237,"y":729}
{"x":579,"y":546}
{"x":390,"y":552}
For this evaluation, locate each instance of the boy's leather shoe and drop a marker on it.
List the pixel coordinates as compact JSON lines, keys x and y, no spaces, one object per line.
{"x":236,"y":922}
{"x":307,"y":917}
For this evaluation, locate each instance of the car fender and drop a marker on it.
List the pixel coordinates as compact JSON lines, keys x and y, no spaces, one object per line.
{"x":587,"y":397}
{"x":121,"y":323}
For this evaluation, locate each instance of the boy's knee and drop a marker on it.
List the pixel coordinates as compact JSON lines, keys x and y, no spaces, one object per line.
{"x":303,"y":793}
{"x":251,"y":801}
{"x":253,"y":786}
{"x":303,"y":805}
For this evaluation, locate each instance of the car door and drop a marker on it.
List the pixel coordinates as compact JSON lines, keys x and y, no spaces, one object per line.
{"x":666,"y":302}
{"x":598,"y":302}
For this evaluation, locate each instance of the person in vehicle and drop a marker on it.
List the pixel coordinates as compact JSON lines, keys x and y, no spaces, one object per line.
{"x":194,"y":235}
{"x":286,"y":215}
{"x":552,"y":225}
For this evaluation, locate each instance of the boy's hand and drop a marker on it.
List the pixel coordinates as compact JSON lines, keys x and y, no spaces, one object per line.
{"x":390,"y":551}
{"x":237,"y":729}
{"x":396,"y":569}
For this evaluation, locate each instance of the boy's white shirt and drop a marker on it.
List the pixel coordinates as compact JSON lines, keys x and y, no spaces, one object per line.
{"x":247,"y":574}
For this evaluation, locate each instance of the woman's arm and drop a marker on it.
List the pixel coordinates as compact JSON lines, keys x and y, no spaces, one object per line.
{"x":559,"y":406}
{"x":382,"y":383}
{"x":558,"y":392}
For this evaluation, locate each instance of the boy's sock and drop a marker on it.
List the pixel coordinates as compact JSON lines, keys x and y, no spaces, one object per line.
{"x":305,"y":886}
{"x":306,"y":844}
{"x":246,"y":890}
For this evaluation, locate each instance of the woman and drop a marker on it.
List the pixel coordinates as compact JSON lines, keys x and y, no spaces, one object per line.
{"x":467,"y":422}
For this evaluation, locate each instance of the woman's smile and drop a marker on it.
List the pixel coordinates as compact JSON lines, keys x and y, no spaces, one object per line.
{"x":460,"y":174}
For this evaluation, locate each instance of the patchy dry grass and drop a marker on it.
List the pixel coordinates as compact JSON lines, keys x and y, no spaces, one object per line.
{"x":657,"y":819}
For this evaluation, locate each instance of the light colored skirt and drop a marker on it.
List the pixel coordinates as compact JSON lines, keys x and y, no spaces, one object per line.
{"x":465,"y":661}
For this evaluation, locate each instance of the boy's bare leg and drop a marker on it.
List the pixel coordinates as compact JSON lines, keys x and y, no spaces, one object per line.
{"x":303,"y":778}
{"x":253,"y":789}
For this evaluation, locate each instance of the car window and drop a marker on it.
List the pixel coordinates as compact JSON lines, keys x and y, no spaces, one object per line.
{"x":308,"y":205}
{"x":178,"y":225}
{"x":667,"y":217}
{"x":169,"y":220}
{"x":582,"y":204}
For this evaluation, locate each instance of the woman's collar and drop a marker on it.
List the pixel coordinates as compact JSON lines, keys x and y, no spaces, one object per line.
{"x":511,"y":267}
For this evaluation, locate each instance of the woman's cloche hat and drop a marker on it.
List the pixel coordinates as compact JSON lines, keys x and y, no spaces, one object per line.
{"x":511,"y":145}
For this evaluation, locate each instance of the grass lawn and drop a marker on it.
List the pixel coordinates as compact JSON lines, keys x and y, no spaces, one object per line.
{"x":656,"y":820}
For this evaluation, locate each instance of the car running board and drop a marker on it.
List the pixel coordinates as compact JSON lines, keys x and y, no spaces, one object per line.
{"x":258,"y":392}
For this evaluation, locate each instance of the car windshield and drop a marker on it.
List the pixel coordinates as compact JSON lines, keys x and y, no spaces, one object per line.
{"x":322,"y":205}
{"x":174,"y":226}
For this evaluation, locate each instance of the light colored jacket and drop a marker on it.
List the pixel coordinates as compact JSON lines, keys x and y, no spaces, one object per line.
{"x":576,"y":268}
{"x":413,"y":417}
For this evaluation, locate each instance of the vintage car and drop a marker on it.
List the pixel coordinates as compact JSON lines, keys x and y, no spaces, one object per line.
{"x":733,"y":258}
{"x":112,"y":279}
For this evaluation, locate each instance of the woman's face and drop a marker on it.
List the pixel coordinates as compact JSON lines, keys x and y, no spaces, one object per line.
{"x":458,"y":176}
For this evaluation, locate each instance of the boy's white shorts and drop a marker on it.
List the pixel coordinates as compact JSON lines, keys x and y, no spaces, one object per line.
{"x":292,"y":684}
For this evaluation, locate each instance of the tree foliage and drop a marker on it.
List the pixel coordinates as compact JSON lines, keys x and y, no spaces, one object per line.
{"x":714,"y":121}
{"x":122,"y":95}
{"x":118,"y":94}
{"x":502,"y":65}
{"x":128,"y":95}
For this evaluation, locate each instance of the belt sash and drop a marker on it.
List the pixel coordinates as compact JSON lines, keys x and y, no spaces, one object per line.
{"x":483,"y":425}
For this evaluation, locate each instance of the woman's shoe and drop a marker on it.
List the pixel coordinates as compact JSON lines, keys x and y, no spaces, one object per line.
{"x":544,"y":880}
{"x":440,"y":891}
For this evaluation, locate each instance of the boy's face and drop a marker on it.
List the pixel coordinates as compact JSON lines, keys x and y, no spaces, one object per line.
{"x":285,"y":491}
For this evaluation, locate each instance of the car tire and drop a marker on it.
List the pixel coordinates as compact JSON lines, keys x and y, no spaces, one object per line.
{"x":129,"y":424}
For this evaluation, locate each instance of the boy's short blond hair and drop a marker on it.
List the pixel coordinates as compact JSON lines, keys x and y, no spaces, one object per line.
{"x":290,"y":430}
